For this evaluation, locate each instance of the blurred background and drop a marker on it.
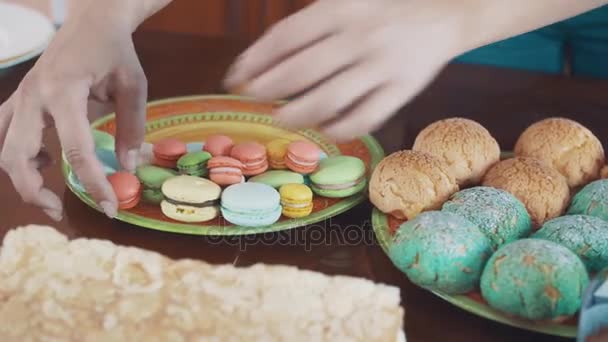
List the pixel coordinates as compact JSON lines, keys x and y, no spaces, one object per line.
{"x":246,"y":19}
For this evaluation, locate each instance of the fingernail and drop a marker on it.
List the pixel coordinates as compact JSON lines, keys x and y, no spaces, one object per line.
{"x":109,"y":209}
{"x":55,"y":215}
{"x":131,"y":160}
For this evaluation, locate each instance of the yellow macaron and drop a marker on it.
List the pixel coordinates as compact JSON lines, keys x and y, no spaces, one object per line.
{"x":277,"y":149}
{"x":296,"y":200}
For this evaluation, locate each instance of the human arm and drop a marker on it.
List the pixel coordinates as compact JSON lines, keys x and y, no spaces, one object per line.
{"x":352,"y":63}
{"x":92,"y":56}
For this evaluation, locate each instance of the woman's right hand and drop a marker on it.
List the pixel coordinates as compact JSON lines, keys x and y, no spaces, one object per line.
{"x":92,"y":56}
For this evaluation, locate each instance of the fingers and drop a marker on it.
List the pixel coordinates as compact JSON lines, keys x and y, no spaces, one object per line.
{"x":6,"y":114}
{"x":334,"y":96}
{"x":367,"y":115}
{"x":131,"y":91}
{"x":303,"y":70}
{"x":79,"y":148}
{"x":18,"y":158}
{"x":292,"y":34}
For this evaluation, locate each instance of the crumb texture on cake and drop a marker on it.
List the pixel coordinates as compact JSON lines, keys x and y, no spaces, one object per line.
{"x":542,"y":189}
{"x":464,"y":145}
{"x":569,"y":147}
{"x":407,"y":183}
{"x":53,"y":289}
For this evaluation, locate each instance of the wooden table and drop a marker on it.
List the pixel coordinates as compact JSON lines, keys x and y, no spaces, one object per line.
{"x":504,"y":101}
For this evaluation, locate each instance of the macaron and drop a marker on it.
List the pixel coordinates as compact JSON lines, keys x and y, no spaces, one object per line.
{"x":277,"y":150}
{"x":168,"y":151}
{"x":108,"y":159}
{"x":339,"y":177}
{"x":534,"y":279}
{"x":218,"y":145}
{"x":253,"y":156}
{"x":441,"y":251}
{"x":302,"y":157}
{"x":225,"y":170}
{"x":190,"y":199}
{"x":296,"y":200}
{"x":278,"y":178}
{"x":194,"y":163}
{"x":195,"y":146}
{"x":103,"y":140}
{"x":251,"y":205}
{"x":586,"y":236}
{"x":152,"y":177}
{"x":127,"y":189}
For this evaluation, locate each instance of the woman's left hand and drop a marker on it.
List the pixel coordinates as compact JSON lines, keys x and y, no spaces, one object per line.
{"x":351,"y":63}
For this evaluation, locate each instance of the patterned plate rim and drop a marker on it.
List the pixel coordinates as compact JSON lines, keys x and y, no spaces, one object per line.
{"x":374,"y":148}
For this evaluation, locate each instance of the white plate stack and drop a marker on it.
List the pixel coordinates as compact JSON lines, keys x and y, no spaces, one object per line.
{"x":24,"y":34}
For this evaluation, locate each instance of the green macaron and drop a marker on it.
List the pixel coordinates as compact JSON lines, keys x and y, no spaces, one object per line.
{"x":499,"y":215}
{"x":339,"y":177}
{"x":152,"y":178}
{"x":591,"y":200}
{"x":441,"y":251}
{"x":278,"y":178}
{"x":586,"y":236}
{"x":534,"y":279}
{"x":194,"y":163}
{"x":103,"y":140}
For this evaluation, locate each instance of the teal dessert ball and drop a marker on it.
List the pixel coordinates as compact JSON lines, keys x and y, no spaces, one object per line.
{"x":534,"y":279}
{"x":441,"y":251}
{"x":586,"y":236}
{"x":591,"y":200}
{"x":499,"y":215}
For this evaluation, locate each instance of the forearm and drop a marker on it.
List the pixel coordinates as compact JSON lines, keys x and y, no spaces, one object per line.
{"x":126,"y":13}
{"x":488,"y":21}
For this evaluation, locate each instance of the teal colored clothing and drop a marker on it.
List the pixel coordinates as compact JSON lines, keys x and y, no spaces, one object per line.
{"x":579,"y":43}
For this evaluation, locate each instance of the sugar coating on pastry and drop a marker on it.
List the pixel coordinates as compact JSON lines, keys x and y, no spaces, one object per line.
{"x":53,"y":289}
{"x":534,"y":279}
{"x":497,"y":213}
{"x":567,"y":146}
{"x":542,"y":189}
{"x":407,"y":183}
{"x":441,"y":251}
{"x":465,"y":145}
{"x":586,"y":236}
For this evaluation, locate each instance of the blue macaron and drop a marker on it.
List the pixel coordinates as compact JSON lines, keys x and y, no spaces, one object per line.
{"x":251,"y":205}
{"x":195,"y":146}
{"x":108,"y":159}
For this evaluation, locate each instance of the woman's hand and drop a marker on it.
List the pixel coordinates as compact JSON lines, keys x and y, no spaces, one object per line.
{"x":352,"y":63}
{"x":92,"y":56}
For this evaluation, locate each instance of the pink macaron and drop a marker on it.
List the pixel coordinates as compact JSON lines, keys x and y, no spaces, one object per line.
{"x":253,"y":156}
{"x":225,"y":170}
{"x":302,"y":157}
{"x":168,"y":151}
{"x":218,"y":145}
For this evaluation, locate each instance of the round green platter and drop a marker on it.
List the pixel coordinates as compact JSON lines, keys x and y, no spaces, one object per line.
{"x":192,"y":119}
{"x":384,"y":226}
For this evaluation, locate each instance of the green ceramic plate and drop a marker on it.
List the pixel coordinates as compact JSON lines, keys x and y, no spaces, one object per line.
{"x":384,"y":227}
{"x":192,"y":119}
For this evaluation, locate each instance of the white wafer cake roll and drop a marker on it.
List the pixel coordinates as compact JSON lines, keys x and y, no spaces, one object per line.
{"x":53,"y":289}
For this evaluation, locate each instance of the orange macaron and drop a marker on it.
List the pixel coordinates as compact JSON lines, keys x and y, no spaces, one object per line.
{"x":127,"y":189}
{"x":218,"y":145}
{"x":168,"y":151}
{"x":225,"y":170}
{"x":253,"y":156}
{"x":302,"y":157}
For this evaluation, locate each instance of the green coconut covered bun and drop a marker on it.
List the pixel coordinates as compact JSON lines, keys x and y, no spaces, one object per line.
{"x":499,"y":215}
{"x":534,"y":279}
{"x":441,"y":251}
{"x":586,"y":236}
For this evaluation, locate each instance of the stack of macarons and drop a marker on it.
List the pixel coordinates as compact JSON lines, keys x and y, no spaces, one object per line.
{"x":248,"y":183}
